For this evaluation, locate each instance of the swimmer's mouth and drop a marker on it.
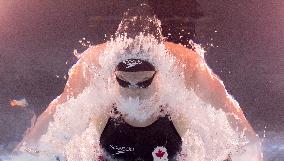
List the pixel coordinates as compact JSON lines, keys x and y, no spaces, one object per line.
{"x":142,"y":84}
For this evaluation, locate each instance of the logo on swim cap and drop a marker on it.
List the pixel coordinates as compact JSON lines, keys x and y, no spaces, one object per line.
{"x":134,"y":65}
{"x":160,"y":154}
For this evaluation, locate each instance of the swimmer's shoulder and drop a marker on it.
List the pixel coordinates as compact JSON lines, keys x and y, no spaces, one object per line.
{"x":88,"y":60}
{"x":179,"y":49}
{"x":81,"y":73}
{"x":186,"y":55}
{"x":92,"y":54}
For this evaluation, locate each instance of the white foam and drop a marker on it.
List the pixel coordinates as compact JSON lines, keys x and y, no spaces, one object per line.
{"x":74,"y":136}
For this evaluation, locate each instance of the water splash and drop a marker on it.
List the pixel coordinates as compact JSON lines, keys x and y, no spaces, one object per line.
{"x":74,"y":133}
{"x":140,"y":20}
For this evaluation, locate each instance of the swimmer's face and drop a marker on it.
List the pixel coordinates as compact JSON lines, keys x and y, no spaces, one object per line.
{"x":139,"y":81}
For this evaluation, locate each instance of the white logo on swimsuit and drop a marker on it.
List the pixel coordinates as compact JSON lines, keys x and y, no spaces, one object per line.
{"x":121,"y":149}
{"x":160,"y":154}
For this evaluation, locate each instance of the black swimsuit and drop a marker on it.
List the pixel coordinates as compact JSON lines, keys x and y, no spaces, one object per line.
{"x":123,"y":142}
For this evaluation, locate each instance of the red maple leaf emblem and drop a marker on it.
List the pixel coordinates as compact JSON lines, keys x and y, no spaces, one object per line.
{"x":160,"y":154}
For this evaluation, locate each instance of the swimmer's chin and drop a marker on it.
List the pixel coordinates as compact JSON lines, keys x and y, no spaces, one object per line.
{"x":138,"y":112}
{"x":140,"y":122}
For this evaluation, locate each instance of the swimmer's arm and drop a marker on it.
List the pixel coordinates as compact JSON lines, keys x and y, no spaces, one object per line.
{"x":43,"y":120}
{"x":208,"y":86}
{"x":201,"y":79}
{"x":211,"y":89}
{"x":79,"y":78}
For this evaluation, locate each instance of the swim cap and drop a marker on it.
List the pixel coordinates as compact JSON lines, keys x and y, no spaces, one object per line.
{"x":127,"y":78}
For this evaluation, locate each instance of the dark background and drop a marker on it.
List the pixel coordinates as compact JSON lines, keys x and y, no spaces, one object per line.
{"x":244,"y":42}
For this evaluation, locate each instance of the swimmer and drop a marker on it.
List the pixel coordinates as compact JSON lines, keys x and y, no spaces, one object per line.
{"x":157,"y":136}
{"x":140,"y":81}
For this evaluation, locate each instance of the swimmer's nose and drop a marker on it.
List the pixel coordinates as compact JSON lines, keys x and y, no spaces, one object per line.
{"x":135,"y":73}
